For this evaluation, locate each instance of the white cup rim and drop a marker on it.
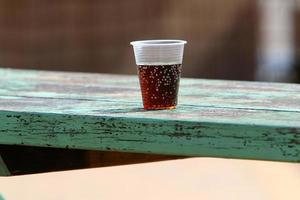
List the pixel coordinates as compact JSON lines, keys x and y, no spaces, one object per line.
{"x":157,"y":42}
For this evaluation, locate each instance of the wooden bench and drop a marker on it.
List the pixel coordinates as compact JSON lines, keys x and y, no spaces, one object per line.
{"x":215,"y":118}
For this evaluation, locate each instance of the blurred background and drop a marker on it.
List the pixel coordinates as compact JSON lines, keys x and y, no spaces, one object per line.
{"x":232,"y":39}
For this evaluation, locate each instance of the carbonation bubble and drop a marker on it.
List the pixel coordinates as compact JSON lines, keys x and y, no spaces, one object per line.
{"x":159,"y":85}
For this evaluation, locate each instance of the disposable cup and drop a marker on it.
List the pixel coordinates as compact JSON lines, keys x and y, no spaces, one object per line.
{"x":159,"y":64}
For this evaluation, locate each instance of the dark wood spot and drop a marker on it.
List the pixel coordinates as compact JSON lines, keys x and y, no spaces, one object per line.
{"x":293,"y":141}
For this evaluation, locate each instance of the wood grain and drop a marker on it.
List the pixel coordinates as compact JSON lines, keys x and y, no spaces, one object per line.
{"x":215,"y":118}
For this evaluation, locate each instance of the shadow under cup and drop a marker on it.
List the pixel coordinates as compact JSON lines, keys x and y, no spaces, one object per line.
{"x":159,"y":68}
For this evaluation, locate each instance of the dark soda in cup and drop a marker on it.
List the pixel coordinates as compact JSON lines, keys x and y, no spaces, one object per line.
{"x":159,"y":69}
{"x":159,"y":85}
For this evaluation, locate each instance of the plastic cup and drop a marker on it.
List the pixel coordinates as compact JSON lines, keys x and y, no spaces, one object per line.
{"x":159,"y":64}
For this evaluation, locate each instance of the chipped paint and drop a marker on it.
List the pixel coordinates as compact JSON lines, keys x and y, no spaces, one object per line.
{"x":214,"y":118}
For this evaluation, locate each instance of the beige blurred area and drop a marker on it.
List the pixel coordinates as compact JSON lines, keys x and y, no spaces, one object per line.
{"x":194,"y":178}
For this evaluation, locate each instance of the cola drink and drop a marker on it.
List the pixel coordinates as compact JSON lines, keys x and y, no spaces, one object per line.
{"x":159,"y":68}
{"x":159,"y":85}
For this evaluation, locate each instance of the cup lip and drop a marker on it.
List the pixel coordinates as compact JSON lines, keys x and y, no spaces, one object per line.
{"x":164,"y":42}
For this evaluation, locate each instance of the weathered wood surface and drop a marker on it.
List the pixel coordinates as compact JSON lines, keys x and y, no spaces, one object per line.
{"x":215,"y":118}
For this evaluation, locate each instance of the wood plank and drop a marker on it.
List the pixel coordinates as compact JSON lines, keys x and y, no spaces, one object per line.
{"x":211,"y":93}
{"x":104,"y":112}
{"x":126,"y":109}
{"x":210,"y":133}
{"x":3,"y":169}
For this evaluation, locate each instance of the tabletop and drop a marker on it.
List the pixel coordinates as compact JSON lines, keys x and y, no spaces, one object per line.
{"x":214,"y":118}
{"x":193,"y":178}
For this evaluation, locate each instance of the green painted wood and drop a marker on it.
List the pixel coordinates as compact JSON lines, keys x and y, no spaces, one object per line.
{"x":234,"y":94}
{"x":3,"y":169}
{"x":215,"y":118}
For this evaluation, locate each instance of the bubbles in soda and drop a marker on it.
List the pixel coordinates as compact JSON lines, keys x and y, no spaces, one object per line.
{"x":159,"y":85}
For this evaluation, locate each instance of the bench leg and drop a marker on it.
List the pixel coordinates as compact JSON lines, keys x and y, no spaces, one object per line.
{"x":3,"y":168}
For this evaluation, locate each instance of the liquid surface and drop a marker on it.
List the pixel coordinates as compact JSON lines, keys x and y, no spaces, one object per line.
{"x":159,"y":85}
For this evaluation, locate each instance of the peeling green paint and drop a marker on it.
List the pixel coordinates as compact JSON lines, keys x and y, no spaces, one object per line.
{"x":215,"y":118}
